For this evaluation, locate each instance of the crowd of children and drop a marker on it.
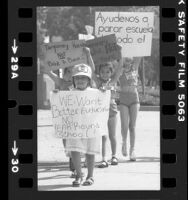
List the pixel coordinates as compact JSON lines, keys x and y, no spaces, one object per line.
{"x":83,"y":77}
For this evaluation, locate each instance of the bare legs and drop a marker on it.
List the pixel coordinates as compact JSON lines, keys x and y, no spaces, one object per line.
{"x":124,"y":115}
{"x":76,"y":159}
{"x":104,"y":143}
{"x":133,"y":113}
{"x":128,"y":122}
{"x":112,"y":136}
{"x":112,"y":133}
{"x":90,"y":159}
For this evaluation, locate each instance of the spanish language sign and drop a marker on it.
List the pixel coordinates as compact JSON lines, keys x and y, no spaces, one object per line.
{"x":64,"y":54}
{"x":80,"y":114}
{"x":133,"y":30}
{"x":104,"y":49}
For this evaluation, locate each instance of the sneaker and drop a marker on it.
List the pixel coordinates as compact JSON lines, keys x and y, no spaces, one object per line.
{"x":132,"y":155}
{"x":124,"y":149}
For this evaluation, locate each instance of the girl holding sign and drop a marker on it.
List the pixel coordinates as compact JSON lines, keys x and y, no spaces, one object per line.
{"x":107,"y":81}
{"x":89,"y":146}
{"x":129,"y":103}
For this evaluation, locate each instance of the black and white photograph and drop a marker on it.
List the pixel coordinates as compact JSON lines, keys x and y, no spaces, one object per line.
{"x":98,"y":98}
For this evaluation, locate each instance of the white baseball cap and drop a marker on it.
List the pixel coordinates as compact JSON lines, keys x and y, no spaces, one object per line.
{"x":82,"y":70}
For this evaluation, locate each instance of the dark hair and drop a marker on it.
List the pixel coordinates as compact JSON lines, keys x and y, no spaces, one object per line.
{"x":65,"y":69}
{"x":106,"y":64}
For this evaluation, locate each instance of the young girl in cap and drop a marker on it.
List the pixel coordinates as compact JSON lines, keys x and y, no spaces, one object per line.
{"x":89,"y":146}
{"x":107,"y":81}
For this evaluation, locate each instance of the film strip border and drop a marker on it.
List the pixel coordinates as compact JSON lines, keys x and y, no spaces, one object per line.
{"x":22,"y":102}
{"x":173,"y":100}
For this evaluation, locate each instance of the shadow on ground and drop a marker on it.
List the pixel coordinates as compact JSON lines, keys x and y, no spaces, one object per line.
{"x":53,"y":187}
{"x":54,"y":177}
{"x":64,"y":166}
{"x":141,"y":160}
{"x":53,"y":167}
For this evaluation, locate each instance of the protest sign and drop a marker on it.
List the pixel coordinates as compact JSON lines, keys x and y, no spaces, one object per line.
{"x":104,"y":49}
{"x":133,"y":30}
{"x":63,"y":54}
{"x":80,"y":114}
{"x":85,"y":37}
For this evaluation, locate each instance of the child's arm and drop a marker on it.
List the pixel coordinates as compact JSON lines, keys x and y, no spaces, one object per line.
{"x":118,"y":72}
{"x":90,"y":62}
{"x":54,"y":77}
{"x":136,"y":62}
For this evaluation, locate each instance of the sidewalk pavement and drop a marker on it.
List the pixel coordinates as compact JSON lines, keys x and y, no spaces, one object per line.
{"x":144,"y":174}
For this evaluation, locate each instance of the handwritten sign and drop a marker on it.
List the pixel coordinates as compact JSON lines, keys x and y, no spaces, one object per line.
{"x":104,"y":49}
{"x":133,"y":30}
{"x":80,"y":114}
{"x":85,"y":37}
{"x":63,"y":54}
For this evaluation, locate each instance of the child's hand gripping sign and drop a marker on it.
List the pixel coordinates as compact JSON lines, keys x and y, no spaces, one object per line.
{"x":80,"y":114}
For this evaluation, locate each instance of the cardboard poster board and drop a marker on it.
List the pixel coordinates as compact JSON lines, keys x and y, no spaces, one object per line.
{"x":63,"y":54}
{"x":133,"y":30}
{"x":80,"y":114}
{"x":104,"y":49}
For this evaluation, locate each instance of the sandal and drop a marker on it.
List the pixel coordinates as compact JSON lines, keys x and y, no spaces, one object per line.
{"x":103,"y":164}
{"x":114,"y":161}
{"x":77,"y":182}
{"x":88,"y":181}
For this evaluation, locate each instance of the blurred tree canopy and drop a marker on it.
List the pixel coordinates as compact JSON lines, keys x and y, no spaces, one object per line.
{"x":68,"y":22}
